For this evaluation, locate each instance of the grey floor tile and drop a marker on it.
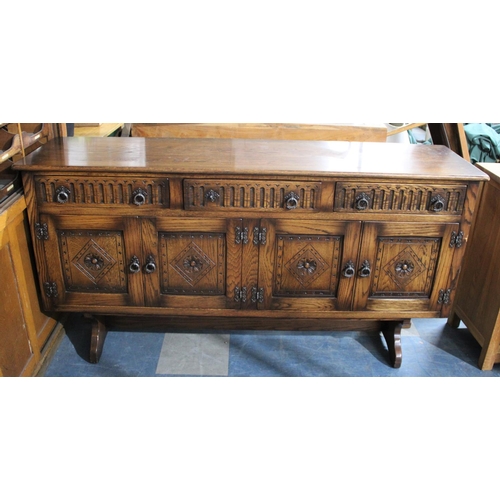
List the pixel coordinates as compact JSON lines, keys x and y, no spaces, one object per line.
{"x":194,"y":354}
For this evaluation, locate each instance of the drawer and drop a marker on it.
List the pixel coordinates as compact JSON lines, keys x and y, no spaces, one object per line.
{"x":211,"y":194}
{"x":355,"y":197}
{"x":102,"y":191}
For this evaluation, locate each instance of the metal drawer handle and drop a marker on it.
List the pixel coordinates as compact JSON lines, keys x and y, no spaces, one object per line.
{"x":362,"y":202}
{"x":135,"y":265}
{"x":292,"y":200}
{"x":212,"y":196}
{"x":365,"y":269}
{"x":437,"y":203}
{"x":150,"y":266}
{"x":62,"y":194}
{"x":139,"y":197}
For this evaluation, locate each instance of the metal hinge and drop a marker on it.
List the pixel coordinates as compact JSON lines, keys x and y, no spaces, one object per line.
{"x":241,"y":235}
{"x":456,"y":240}
{"x":444,"y":296}
{"x":257,"y":295}
{"x":41,"y":231}
{"x":240,"y":294}
{"x":50,"y":289}
{"x":259,"y":236}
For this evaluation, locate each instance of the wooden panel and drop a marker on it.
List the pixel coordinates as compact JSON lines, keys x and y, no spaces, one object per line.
{"x":307,"y":265}
{"x":404,"y":267}
{"x":93,"y":260}
{"x":283,"y":131}
{"x":192,"y":263}
{"x":15,"y":349}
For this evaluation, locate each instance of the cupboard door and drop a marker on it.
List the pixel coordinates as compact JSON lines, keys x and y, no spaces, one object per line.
{"x":199,"y":263}
{"x":404,"y":266}
{"x":306,"y":265}
{"x":90,"y":261}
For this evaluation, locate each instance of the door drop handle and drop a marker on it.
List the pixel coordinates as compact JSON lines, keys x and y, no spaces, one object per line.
{"x":349,"y":270}
{"x":135,"y":265}
{"x":150,"y":266}
{"x":365,"y":270}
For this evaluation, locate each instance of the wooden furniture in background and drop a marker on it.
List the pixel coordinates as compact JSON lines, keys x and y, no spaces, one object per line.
{"x":284,"y":131}
{"x":26,"y":333}
{"x":102,"y":130}
{"x":451,"y":135}
{"x":24,"y":328}
{"x":477,"y":302}
{"x":260,"y":234}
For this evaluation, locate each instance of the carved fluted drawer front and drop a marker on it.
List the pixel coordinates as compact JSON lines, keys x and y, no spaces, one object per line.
{"x":241,"y":194}
{"x":102,"y":191}
{"x":399,"y":198}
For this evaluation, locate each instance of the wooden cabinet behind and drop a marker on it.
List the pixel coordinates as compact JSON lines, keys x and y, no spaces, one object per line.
{"x":24,"y":327}
{"x":477,"y":301}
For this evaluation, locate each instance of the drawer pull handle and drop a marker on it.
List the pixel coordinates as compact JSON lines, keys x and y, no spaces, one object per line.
{"x":135,"y":265}
{"x":150,"y":266}
{"x":362,"y":202}
{"x":62,"y":194}
{"x":139,"y":197}
{"x":292,"y":200}
{"x":212,"y":196}
{"x":437,"y":203}
{"x":365,"y":270}
{"x":349,"y":270}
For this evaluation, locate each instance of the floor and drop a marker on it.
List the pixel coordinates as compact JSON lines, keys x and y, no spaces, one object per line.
{"x":430,"y":349}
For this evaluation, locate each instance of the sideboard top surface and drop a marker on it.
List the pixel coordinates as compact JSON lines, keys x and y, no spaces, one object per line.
{"x":249,"y":157}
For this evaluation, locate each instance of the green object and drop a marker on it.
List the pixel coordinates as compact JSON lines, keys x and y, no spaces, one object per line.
{"x":413,"y":140}
{"x":483,"y":141}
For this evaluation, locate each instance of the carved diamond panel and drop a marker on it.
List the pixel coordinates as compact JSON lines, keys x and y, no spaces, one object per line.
{"x":404,"y":268}
{"x":193,"y":264}
{"x":307,"y":265}
{"x":93,"y":261}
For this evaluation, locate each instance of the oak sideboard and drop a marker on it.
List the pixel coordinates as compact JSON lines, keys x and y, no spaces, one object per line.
{"x":249,"y":234}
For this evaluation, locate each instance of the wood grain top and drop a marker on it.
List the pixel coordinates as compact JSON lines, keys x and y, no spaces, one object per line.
{"x":250,"y":157}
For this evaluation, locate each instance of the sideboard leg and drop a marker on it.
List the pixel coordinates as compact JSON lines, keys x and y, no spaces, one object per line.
{"x":98,"y":336}
{"x":392,"y":334}
{"x":453,"y":319}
